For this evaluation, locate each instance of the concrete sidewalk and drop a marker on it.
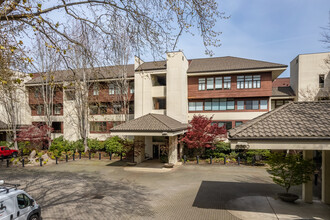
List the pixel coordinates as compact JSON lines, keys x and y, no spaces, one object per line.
{"x":263,"y":207}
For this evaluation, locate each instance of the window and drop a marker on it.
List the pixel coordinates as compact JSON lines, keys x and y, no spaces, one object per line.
{"x":255,"y":104}
{"x":240,"y":105}
{"x":218,"y":82}
{"x":256,"y":81}
{"x":215,"y":104}
{"x":240,"y":82}
{"x":279,"y":102}
{"x":195,"y":106}
{"x":40,"y":109}
{"x":116,"y":108}
{"x":210,"y":83}
{"x":321,"y":81}
{"x":230,"y":104}
{"x":228,"y":124}
{"x":131,"y":108}
{"x":131,"y":87}
{"x":248,"y":82}
{"x":94,"y":110}
{"x":201,"y":84}
{"x":159,"y":103}
{"x":111,"y":89}
{"x":98,"y":126}
{"x":227,"y":82}
{"x":208,"y":105}
{"x":37,"y":92}
{"x":57,"y":109}
{"x":263,"y":104}
{"x":248,"y":105}
{"x":23,"y":201}
{"x":238,"y":123}
{"x":103,"y":108}
{"x":95,"y":90}
{"x":223,"y":104}
{"x":57,"y":127}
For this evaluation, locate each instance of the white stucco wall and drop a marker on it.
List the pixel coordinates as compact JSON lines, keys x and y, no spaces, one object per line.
{"x":177,"y":86}
{"x":305,"y":72}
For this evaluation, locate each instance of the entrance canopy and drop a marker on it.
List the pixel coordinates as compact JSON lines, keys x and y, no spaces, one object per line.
{"x":150,"y":125}
{"x":296,"y":126}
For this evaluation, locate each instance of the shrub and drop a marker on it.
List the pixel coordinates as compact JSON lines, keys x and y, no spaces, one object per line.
{"x":4,"y":143}
{"x":60,"y":144}
{"x":78,"y":145}
{"x":220,"y":150}
{"x":95,"y":145}
{"x":114,"y":145}
{"x":290,"y":170}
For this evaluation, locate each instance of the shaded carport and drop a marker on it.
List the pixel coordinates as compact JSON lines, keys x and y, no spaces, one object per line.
{"x":145,"y":128}
{"x":301,"y":126}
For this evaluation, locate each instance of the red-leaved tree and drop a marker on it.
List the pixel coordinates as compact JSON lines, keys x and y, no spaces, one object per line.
{"x":35,"y":135}
{"x":202,"y":134}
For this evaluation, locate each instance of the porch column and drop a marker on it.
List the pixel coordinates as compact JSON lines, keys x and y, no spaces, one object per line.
{"x":139,"y":151}
{"x":326,"y":176}
{"x":172,"y":149}
{"x":307,"y":188}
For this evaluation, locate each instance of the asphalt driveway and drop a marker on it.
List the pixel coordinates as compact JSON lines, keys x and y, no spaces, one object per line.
{"x":100,"y":190}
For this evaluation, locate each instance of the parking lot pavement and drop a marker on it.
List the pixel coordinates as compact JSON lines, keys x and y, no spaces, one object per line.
{"x":100,"y":190}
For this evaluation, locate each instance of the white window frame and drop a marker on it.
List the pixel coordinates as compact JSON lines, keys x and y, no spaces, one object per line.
{"x":210,"y":83}
{"x":111,"y":89}
{"x":227,"y":82}
{"x":264,"y":104}
{"x":95,"y":90}
{"x":239,"y":106}
{"x":218,"y":82}
{"x":201,"y":84}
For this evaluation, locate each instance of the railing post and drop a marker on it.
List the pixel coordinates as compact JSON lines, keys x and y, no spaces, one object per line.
{"x":110,"y":154}
{"x":253,"y":160}
{"x":56,"y":158}
{"x":197,"y":158}
{"x":79,"y":155}
{"x":40,"y":162}
{"x":121,"y":156}
{"x":7,"y":163}
{"x":22,"y":153}
{"x":66,"y":158}
{"x":73,"y":156}
{"x":224,"y":161}
{"x":90,"y":155}
{"x":239,"y":161}
{"x":23,"y":162}
{"x":184,"y":158}
{"x":99,"y":156}
{"x":210,"y":159}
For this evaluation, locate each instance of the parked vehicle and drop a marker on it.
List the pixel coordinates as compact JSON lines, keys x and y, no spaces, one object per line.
{"x":7,"y":152}
{"x":16,"y":204}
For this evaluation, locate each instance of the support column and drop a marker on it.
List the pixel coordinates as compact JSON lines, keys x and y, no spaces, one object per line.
{"x":307,"y":188}
{"x":139,"y":149}
{"x":172,"y":149}
{"x":326,"y":176}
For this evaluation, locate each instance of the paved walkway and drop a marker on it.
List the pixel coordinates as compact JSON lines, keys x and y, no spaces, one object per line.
{"x":103,"y":190}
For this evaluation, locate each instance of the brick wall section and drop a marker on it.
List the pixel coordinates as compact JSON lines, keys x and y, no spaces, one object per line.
{"x":58,"y":96}
{"x":264,"y":91}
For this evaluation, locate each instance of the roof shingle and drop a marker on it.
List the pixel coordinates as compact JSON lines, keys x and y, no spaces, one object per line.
{"x":151,"y":123}
{"x":282,"y":91}
{"x":295,"y":120}
{"x":229,"y":63}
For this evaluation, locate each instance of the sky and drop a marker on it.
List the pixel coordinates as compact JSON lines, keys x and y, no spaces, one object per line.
{"x":269,"y":30}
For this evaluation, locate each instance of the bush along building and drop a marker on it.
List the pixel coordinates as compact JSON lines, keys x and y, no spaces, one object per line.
{"x":154,"y":101}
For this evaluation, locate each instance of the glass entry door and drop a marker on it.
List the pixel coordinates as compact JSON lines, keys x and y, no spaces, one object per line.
{"x":155,"y":150}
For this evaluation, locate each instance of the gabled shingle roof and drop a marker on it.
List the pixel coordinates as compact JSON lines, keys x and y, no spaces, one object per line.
{"x":229,"y":64}
{"x":98,"y":73}
{"x":282,"y":91}
{"x":295,"y":120}
{"x":151,"y":123}
{"x":155,"y":65}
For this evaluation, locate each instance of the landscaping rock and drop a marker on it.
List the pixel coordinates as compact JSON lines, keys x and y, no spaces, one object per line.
{"x":33,"y":154}
{"x":168,"y":165}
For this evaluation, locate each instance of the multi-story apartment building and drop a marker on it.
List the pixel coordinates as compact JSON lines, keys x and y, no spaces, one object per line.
{"x":164,"y":95}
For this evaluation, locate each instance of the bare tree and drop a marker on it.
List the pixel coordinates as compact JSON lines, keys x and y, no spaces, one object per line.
{"x":11,"y":93}
{"x":155,"y":24}
{"x":46,"y":64}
